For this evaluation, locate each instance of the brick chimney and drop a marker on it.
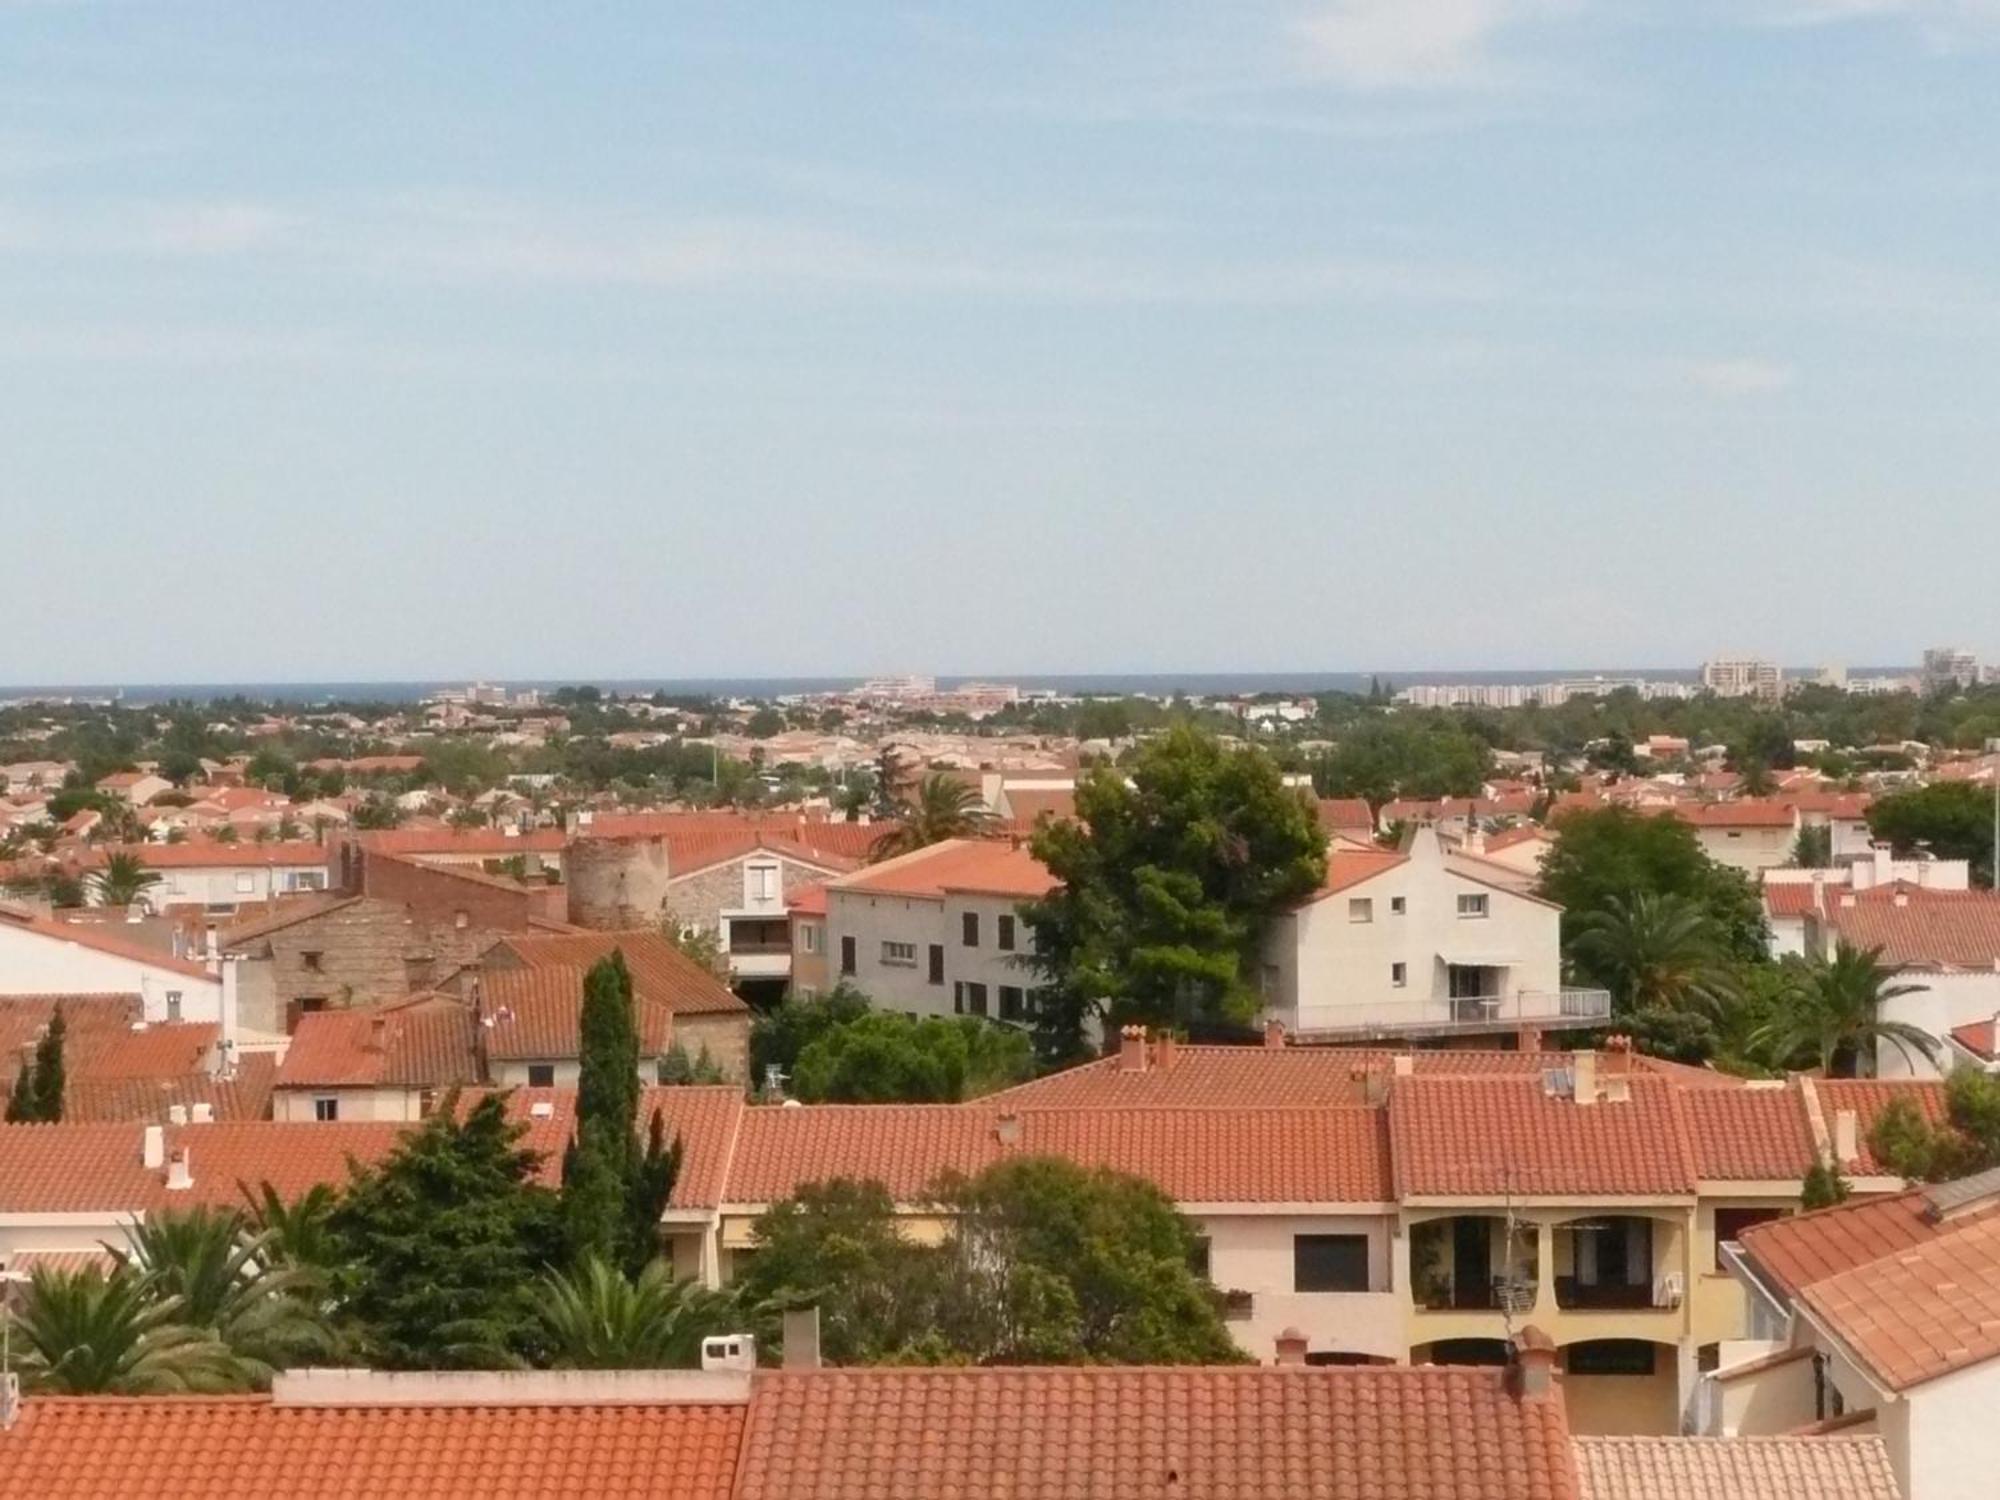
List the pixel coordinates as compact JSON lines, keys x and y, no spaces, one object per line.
{"x":1531,"y":1367}
{"x":1164,"y":1051}
{"x":1132,"y":1049}
{"x":1274,"y":1032}
{"x":1291,"y":1347}
{"x":1403,"y":1065}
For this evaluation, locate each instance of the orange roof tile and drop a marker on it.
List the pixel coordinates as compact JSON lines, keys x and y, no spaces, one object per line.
{"x":1746,"y":812}
{"x":1488,"y":1136}
{"x":206,"y":854}
{"x":197,"y":1448}
{"x":1793,"y":1252}
{"x":244,"y":1095}
{"x":1923,"y":928}
{"x":1346,"y":868}
{"x":1916,"y":1314}
{"x":95,"y":938}
{"x":1749,"y":1134}
{"x":1741,"y":1468}
{"x":1868,"y":1097}
{"x":537,"y":1013}
{"x":660,"y":971}
{"x":703,"y":1117}
{"x":853,"y":841}
{"x":807,"y":901}
{"x":23,"y":1019}
{"x":425,"y":1041}
{"x":1345,"y":815}
{"x":987,"y":867}
{"x":486,"y":843}
{"x":1435,"y":1432}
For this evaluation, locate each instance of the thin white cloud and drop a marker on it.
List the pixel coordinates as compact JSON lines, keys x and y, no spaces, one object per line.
{"x":1944,"y":25}
{"x":1410,"y":43}
{"x":1734,"y":379}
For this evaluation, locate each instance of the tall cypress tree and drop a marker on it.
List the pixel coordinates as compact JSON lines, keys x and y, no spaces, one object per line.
{"x":598,"y":1166}
{"x":48,"y":1079}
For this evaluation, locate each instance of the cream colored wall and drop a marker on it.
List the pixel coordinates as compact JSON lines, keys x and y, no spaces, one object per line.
{"x":1949,"y":1427}
{"x":1751,"y":850}
{"x":1254,"y":1253}
{"x":76,"y":1231}
{"x":985,"y":964}
{"x":355,"y":1104}
{"x":1720,"y":1302}
{"x":1766,"y":1402}
{"x":874,"y":920}
{"x":1624,"y":1405}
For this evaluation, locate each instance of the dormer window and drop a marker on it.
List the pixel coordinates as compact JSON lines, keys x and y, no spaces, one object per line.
{"x":760,"y":884}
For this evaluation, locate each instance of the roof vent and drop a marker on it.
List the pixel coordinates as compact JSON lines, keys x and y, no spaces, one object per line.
{"x":177,"y":1114}
{"x":202,"y":1113}
{"x":729,"y":1351}
{"x":180,"y":1171}
{"x":542,"y":1109}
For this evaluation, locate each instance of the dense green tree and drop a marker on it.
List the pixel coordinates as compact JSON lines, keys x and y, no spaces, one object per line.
{"x":1952,"y":819}
{"x":1654,"y":952}
{"x":1813,"y":849}
{"x":1967,"y":1141}
{"x":598,"y":1163}
{"x":225,"y":1283}
{"x":595,"y":1317}
{"x":1168,"y":881}
{"x":86,"y":1333}
{"x":1613,"y":853}
{"x":443,"y":1240}
{"x":945,"y":808}
{"x":1398,"y":756}
{"x":778,"y":1036}
{"x":1823,"y":1187}
{"x":764,"y":723}
{"x":38,"y":1089}
{"x":298,"y":1233}
{"x":123,"y":879}
{"x":1836,"y":1016}
{"x":879,"y":1058}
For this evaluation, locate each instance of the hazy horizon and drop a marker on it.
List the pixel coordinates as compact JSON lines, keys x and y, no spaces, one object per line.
{"x":411,"y":343}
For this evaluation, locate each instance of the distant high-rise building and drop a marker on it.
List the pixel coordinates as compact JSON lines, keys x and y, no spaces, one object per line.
{"x":1743,"y":677}
{"x":1947,"y":666}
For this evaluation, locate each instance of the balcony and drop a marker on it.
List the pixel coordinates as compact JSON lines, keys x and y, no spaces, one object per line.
{"x":1447,"y":1015}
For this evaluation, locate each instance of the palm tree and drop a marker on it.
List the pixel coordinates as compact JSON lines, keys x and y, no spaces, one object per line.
{"x":1837,"y":1013}
{"x":595,"y":1319}
{"x":123,"y":880}
{"x":84,"y":1333}
{"x":1655,"y":952}
{"x":298,"y":1232}
{"x":945,"y":808}
{"x":221,"y":1276}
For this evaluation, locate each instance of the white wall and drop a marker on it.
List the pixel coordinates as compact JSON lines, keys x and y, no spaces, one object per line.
{"x":355,"y":1104}
{"x":230,"y":885}
{"x":1947,"y":1452}
{"x":1947,"y":1001}
{"x":1751,"y":850}
{"x":1254,"y":1253}
{"x":36,"y":963}
{"x":873,"y":920}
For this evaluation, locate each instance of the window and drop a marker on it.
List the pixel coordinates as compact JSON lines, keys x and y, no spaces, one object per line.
{"x":1268,"y":980}
{"x":1399,"y":975}
{"x":1731,"y":1222}
{"x":937,"y":963}
{"x":1734,"y":833}
{"x":809,"y":936}
{"x":969,"y":924}
{"x":461,"y":920}
{"x":1329,"y":1262}
{"x":541,"y":1075}
{"x":1609,"y":1357}
{"x":310,"y":958}
{"x":847,"y":955}
{"x":1003,"y":936}
{"x":1198,"y":1256}
{"x":326,"y":1107}
{"x":1398,"y":905}
{"x":899,"y":955}
{"x":308,"y":880}
{"x":1011,"y":1008}
{"x":246,"y":883}
{"x":1470,"y":905}
{"x":173,"y":1005}
{"x":1360,"y":909}
{"x":308,"y":1004}
{"x":760,"y":884}
{"x":975,"y":999}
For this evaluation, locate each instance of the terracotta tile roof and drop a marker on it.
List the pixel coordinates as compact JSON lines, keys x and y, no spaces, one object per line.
{"x":1028,"y":804}
{"x":1487,"y":1136}
{"x":660,"y":971}
{"x":1345,"y":814}
{"x":484,"y":843}
{"x":197,"y":1448}
{"x":23,"y":1018}
{"x":1978,"y":1038}
{"x":426,"y":1041}
{"x":1507,"y":838}
{"x":206,"y":854}
{"x":691,"y":853}
{"x":807,"y":901}
{"x":533,"y":1014}
{"x":1297,"y":1155}
{"x":703,"y":1117}
{"x":1741,"y":1468}
{"x":1916,"y":1314}
{"x":1429,"y":1433}
{"x":1346,"y":868}
{"x":849,"y":840}
{"x":987,"y":867}
{"x":1746,"y":812}
{"x":27,"y":1262}
{"x":244,"y":1095}
{"x":164,"y":1049}
{"x":1926,"y":929}
{"x":1793,"y":1252}
{"x":79,"y":1168}
{"x":1204,"y":1076}
{"x":89,"y":936}
{"x":1868,"y":1097}
{"x":1749,"y":1134}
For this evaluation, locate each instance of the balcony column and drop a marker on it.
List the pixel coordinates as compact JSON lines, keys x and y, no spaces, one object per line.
{"x":1545,"y":1270}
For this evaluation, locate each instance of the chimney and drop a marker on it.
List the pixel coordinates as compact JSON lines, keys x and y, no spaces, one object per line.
{"x":202,"y":1113}
{"x":1583,"y":1069}
{"x":1617,"y":1053}
{"x":1274,"y":1032}
{"x":1531,"y":1372}
{"x":1902,"y":897}
{"x":1291,"y":1347}
{"x":177,"y":1114}
{"x":1163,"y":1052}
{"x":1403,"y":1065}
{"x":801,"y":1337}
{"x":378,"y":1032}
{"x":153,"y":1148}
{"x":180,"y":1171}
{"x":1132,"y":1049}
{"x":1846,"y":1137}
{"x":1007,"y":1129}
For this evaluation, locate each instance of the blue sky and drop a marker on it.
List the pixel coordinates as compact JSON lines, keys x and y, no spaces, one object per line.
{"x":375,"y":341}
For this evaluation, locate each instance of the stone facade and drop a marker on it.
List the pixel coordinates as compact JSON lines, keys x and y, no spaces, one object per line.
{"x":727,"y":1038}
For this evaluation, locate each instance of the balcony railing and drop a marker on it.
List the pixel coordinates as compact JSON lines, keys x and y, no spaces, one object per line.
{"x":1457,"y":1013}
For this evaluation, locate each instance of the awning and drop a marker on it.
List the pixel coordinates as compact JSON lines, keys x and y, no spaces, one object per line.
{"x":1476,"y":958}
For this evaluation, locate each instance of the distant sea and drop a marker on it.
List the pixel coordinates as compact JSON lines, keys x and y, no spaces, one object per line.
{"x":1203,"y":684}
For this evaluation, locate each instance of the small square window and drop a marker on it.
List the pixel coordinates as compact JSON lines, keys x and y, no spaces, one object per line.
{"x":900,"y":955}
{"x":1398,"y":905}
{"x":1329,"y":1262}
{"x":541,"y":1075}
{"x":311,"y":958}
{"x":1399,"y":975}
{"x":1360,"y":909}
{"x":326,"y":1107}
{"x":1472,"y":904}
{"x":246,"y":883}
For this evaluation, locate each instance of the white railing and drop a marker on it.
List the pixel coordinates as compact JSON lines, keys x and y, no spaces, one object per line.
{"x":1448,"y":1013}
